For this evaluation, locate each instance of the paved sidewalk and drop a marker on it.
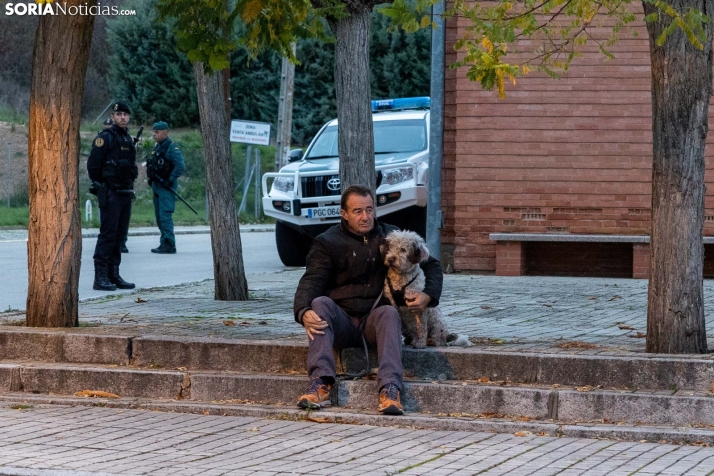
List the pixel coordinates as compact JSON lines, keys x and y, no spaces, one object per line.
{"x":537,"y":314}
{"x":53,"y":440}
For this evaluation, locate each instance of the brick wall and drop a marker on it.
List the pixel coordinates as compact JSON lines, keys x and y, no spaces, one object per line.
{"x":556,"y":156}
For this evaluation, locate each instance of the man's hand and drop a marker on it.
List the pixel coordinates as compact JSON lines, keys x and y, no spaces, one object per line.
{"x":313,"y":324}
{"x":418,"y":302}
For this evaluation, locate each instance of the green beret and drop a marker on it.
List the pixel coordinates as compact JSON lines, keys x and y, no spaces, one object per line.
{"x":160,"y":126}
{"x":120,"y":107}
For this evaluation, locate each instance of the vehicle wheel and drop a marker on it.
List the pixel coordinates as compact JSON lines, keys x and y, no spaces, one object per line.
{"x":293,"y":246}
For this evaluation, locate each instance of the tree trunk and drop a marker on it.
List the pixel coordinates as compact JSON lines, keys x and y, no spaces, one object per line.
{"x":681,"y":89}
{"x":54,"y":245}
{"x":354,"y":94}
{"x":228,"y":272}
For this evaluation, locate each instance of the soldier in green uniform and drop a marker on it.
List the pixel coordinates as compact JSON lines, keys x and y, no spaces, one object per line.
{"x":163,"y":170}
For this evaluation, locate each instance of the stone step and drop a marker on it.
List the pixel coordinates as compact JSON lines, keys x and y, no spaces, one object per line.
{"x":484,"y":423}
{"x":649,"y":371}
{"x":437,"y":397}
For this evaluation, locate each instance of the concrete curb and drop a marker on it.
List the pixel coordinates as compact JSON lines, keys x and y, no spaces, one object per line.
{"x":197,"y":231}
{"x":539,"y":403}
{"x":663,"y":372}
{"x":657,"y":434}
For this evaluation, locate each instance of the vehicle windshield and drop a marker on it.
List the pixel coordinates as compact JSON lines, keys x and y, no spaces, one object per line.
{"x":391,"y":137}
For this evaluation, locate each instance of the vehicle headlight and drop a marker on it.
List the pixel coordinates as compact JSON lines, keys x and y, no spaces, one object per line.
{"x":397,"y":175}
{"x":284,"y":184}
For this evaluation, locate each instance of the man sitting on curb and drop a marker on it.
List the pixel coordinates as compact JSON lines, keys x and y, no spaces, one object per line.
{"x":339,"y":302}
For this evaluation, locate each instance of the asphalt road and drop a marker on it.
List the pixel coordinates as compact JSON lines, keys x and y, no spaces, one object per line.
{"x":193,"y":262}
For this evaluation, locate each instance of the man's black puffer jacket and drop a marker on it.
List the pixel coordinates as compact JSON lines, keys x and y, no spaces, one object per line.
{"x":348,"y":269}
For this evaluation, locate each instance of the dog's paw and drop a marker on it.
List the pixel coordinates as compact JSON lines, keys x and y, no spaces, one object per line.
{"x":458,"y":340}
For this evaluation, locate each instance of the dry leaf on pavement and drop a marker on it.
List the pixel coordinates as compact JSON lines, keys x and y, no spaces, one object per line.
{"x":522,"y":433}
{"x":485,"y":307}
{"x":615,"y":297}
{"x":483,"y":379}
{"x":639,"y":335}
{"x":318,"y":419}
{"x":229,"y":323}
{"x":141,"y":300}
{"x":95,"y":394}
{"x":625,"y":327}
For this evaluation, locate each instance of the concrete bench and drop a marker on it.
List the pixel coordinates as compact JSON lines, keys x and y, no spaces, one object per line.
{"x":511,"y":257}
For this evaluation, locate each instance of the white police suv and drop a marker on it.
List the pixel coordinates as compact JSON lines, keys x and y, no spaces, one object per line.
{"x":304,"y":197}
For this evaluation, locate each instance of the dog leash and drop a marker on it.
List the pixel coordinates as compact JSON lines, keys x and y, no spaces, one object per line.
{"x":367,"y":370}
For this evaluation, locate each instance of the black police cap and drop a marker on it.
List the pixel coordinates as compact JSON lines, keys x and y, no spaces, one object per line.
{"x":120,"y":107}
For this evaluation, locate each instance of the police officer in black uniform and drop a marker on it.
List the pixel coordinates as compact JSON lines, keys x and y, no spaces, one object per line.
{"x":112,"y":169}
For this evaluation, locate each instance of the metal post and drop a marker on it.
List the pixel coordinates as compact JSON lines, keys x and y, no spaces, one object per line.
{"x":246,"y":179}
{"x":105,"y":110}
{"x":285,"y":111}
{"x":9,"y":173}
{"x":434,"y":218}
{"x":249,"y":175}
{"x":88,"y":211}
{"x":257,"y":184}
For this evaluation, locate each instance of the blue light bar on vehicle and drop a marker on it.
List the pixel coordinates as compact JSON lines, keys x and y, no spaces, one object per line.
{"x":401,"y":103}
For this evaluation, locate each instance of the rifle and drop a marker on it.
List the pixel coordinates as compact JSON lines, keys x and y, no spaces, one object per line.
{"x":156,"y":178}
{"x":138,"y":135}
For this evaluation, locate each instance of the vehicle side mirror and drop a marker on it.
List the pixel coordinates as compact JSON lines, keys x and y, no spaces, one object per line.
{"x":294,"y":155}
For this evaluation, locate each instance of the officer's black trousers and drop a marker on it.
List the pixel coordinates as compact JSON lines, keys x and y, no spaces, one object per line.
{"x":114,"y":217}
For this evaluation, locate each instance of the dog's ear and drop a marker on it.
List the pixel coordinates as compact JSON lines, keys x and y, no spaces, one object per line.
{"x":384,"y":247}
{"x":419,"y":252}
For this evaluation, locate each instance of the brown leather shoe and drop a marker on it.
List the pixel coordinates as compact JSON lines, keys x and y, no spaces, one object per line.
{"x":389,"y":402}
{"x":316,"y":396}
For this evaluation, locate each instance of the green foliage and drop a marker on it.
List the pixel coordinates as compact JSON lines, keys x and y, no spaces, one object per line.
{"x":147,"y":71}
{"x":204,"y":28}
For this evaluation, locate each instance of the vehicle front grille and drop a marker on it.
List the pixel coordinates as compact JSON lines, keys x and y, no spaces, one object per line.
{"x":317,"y":186}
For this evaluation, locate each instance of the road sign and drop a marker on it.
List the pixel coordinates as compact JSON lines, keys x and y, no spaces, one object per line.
{"x":249,"y":132}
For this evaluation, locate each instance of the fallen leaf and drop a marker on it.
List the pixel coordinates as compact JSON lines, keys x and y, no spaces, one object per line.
{"x":485,"y":307}
{"x":139,"y":300}
{"x":483,"y":379}
{"x":574,"y":344}
{"x":524,"y":418}
{"x":541,"y":433}
{"x":206,"y":413}
{"x":591,"y":298}
{"x":244,"y":323}
{"x":95,"y":394}
{"x":255,"y":428}
{"x":318,"y":419}
{"x":182,"y":369}
{"x":556,"y":385}
{"x":547,"y":305}
{"x":639,"y":335}
{"x":586,"y":388}
{"x":615,"y":297}
{"x":263,"y":323}
{"x":626,"y":327}
{"x":522,"y":433}
{"x":229,"y":323}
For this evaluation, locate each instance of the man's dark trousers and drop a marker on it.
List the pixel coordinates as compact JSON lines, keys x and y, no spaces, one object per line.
{"x":382,"y":327}
{"x":114,"y":217}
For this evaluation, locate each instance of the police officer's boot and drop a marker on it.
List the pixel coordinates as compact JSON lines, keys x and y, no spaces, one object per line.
{"x":101,"y":278}
{"x":118,"y":280}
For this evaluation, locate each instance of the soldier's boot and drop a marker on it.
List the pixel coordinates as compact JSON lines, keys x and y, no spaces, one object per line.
{"x":118,"y":280}
{"x":101,"y":278}
{"x":165,"y":249}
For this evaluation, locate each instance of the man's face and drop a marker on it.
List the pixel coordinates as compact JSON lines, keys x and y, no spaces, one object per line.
{"x":359,"y":214}
{"x":121,"y":118}
{"x":160,"y":135}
